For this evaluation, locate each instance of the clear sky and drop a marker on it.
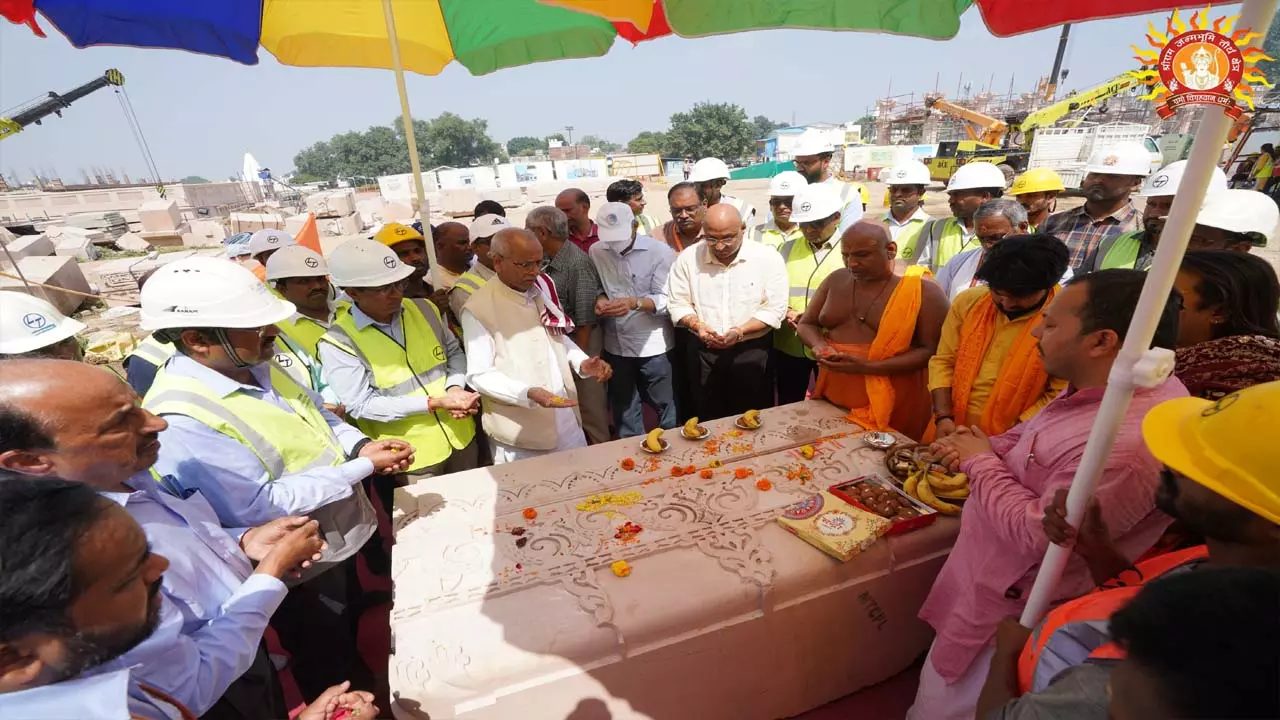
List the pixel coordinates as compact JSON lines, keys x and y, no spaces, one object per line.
{"x":201,"y":114}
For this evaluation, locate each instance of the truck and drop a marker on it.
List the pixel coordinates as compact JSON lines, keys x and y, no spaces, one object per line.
{"x":1066,"y":150}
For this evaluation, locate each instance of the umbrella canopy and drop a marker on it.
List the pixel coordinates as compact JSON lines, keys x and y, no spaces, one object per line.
{"x":488,"y":35}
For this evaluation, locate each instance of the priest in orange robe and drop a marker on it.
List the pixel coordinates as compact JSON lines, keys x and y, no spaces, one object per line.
{"x":988,"y":371}
{"x":873,"y":333}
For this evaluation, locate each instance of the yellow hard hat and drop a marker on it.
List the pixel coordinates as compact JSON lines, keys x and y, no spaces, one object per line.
{"x":394,"y":233}
{"x":1217,"y":444}
{"x":1037,"y":180}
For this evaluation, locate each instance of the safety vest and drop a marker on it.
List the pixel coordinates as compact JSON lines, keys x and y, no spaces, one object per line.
{"x":286,"y":443}
{"x":769,"y":234}
{"x":806,"y":269}
{"x":906,"y":233}
{"x":153,"y":351}
{"x":470,"y":282}
{"x":1077,"y":630}
{"x":417,"y":369}
{"x":942,"y":240}
{"x":647,"y":224}
{"x":1122,"y":252}
{"x":847,"y":189}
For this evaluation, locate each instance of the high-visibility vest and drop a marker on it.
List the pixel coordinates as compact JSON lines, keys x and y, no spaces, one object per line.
{"x":1077,"y":630}
{"x":153,"y":351}
{"x":907,"y":233}
{"x":417,"y":369}
{"x":647,"y":224}
{"x":302,"y":366}
{"x":769,"y":234}
{"x":939,"y":240}
{"x":286,"y":443}
{"x":1122,"y":252}
{"x":806,"y":269}
{"x":847,"y":189}
{"x":305,"y":331}
{"x":470,"y":282}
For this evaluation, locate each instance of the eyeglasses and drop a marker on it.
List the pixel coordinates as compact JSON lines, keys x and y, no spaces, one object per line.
{"x":780,"y":201}
{"x":690,"y":210}
{"x":384,"y":290}
{"x":525,"y":265}
{"x":720,"y":242}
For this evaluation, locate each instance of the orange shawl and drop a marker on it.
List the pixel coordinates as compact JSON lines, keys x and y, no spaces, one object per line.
{"x":1020,"y":381}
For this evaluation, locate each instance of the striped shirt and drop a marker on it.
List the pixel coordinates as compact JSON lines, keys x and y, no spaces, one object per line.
{"x":1083,"y":234}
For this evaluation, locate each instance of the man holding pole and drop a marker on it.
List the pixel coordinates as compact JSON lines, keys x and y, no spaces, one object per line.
{"x":1015,"y":475}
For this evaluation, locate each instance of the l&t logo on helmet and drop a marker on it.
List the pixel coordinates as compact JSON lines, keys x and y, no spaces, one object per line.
{"x":389,"y":261}
{"x":1159,"y":181}
{"x":311,"y":262}
{"x":37,"y":323}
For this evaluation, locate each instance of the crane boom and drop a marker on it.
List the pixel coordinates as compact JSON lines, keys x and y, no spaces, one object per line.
{"x":1050,"y":114}
{"x":54,"y":104}
{"x":992,"y":129}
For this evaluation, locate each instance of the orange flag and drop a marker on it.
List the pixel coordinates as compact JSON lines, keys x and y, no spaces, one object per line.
{"x":308,"y":236}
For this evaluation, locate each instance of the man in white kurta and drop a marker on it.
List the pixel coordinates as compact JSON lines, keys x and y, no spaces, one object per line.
{"x":520,"y":366}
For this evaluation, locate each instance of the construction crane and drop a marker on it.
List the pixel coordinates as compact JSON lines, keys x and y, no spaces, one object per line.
{"x":991,"y":131}
{"x":1026,"y":123}
{"x":32,"y":113}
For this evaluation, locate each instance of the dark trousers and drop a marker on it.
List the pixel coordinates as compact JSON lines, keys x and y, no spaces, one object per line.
{"x":733,"y":381}
{"x":682,"y":383}
{"x":637,"y":379}
{"x":254,"y":695}
{"x":794,"y":375}
{"x":317,"y":624}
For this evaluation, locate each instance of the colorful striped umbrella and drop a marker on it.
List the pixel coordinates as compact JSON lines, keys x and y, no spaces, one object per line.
{"x":488,"y":35}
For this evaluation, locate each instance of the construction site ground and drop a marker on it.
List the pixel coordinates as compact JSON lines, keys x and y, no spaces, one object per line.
{"x":753,"y":191}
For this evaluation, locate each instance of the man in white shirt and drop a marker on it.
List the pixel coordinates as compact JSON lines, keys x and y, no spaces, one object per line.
{"x":731,"y":296}
{"x":520,"y":361}
{"x":992,"y":222}
{"x":633,"y":269}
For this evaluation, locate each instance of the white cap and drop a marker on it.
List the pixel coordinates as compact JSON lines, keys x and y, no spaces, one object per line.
{"x":816,"y":202}
{"x":786,"y":184}
{"x":1129,"y":157}
{"x":295,"y":261}
{"x":615,"y":221}
{"x":1247,"y":212}
{"x":209,"y":292}
{"x":975,"y":176}
{"x":362,"y":263}
{"x":1165,"y":181}
{"x":29,"y":323}
{"x":911,"y":172}
{"x":269,"y":239}
{"x":709,"y":169}
{"x":811,"y":142}
{"x":486,"y":226}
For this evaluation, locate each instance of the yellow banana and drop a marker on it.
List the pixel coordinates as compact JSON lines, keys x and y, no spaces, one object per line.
{"x":653,"y":440}
{"x":912,"y":483}
{"x":751,"y":418}
{"x":948,"y":483}
{"x":691,"y":427}
{"x":928,"y":498}
{"x":961,"y":494}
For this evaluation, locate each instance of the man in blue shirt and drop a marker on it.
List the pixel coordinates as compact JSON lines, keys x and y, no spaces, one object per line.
{"x":78,"y":423}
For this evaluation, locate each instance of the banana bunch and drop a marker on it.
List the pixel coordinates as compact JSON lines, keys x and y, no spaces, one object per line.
{"x":750,"y":419}
{"x":653,"y":441}
{"x":692,"y":429}
{"x":937,"y":489}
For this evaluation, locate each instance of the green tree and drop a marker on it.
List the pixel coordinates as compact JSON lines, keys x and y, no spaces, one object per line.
{"x":556,"y":136}
{"x":193,"y":179}
{"x":301,"y":178}
{"x":599,"y":143}
{"x":525,"y":145}
{"x":1271,"y":46}
{"x":451,"y":140}
{"x":647,"y":142}
{"x":711,"y":130}
{"x":762,"y":126}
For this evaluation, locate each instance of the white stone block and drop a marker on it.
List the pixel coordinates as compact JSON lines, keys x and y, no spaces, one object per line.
{"x":24,"y":246}
{"x":209,"y":231}
{"x":293,"y":225}
{"x":160,"y":215}
{"x":398,"y":212}
{"x":459,"y":202}
{"x":60,"y":272}
{"x":76,"y":247}
{"x":348,"y":225}
{"x":132,"y":241}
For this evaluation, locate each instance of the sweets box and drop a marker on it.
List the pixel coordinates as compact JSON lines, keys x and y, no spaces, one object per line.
{"x":833,"y":526}
{"x":925,"y":514}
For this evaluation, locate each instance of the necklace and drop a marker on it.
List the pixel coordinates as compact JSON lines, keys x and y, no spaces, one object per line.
{"x":863,"y":317}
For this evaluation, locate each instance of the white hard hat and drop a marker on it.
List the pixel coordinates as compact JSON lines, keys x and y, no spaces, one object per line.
{"x":29,"y":323}
{"x":975,"y":176}
{"x":1129,"y":157}
{"x":811,"y":142}
{"x":295,"y":261}
{"x":786,"y":183}
{"x":614,"y":221}
{"x":818,"y":201}
{"x":709,"y":169}
{"x":362,"y":263}
{"x":1247,"y":212}
{"x":911,"y":172}
{"x":1165,"y":181}
{"x":486,"y":226}
{"x":209,"y":292}
{"x":269,"y":239}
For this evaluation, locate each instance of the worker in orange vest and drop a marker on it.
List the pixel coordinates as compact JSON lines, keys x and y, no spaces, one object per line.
{"x":1219,"y":480}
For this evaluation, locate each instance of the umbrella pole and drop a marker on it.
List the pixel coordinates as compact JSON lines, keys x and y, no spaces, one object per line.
{"x":1205,"y":152}
{"x":407,"y":118}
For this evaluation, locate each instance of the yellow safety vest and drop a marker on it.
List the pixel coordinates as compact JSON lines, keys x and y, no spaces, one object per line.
{"x":285,"y":442}
{"x":647,"y":224}
{"x":418,"y":370}
{"x":770,"y":235}
{"x":943,"y":239}
{"x":470,"y":282}
{"x":153,"y":351}
{"x":847,"y":189}
{"x":305,"y":331}
{"x":297,"y":349}
{"x":806,"y":269}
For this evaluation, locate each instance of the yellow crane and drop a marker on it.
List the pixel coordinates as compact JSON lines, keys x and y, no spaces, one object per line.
{"x":53,"y":104}
{"x":991,"y":131}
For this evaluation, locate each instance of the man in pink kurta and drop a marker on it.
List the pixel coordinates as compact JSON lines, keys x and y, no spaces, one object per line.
{"x":1013,"y":477}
